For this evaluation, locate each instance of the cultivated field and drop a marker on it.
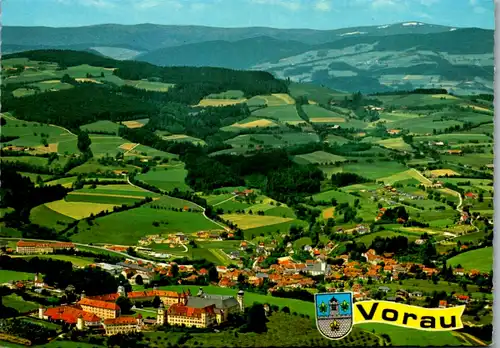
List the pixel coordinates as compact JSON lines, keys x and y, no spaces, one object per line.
{"x":136,"y":123}
{"x":272,"y":140}
{"x":479,"y":259}
{"x":78,"y":210}
{"x":246,"y":221}
{"x":149,"y":85}
{"x":101,"y":126}
{"x":183,"y":138}
{"x":318,"y":157}
{"x":317,"y":114}
{"x":166,"y":178}
{"x":133,"y":224}
{"x":395,"y":144}
{"x":282,"y":113}
{"x":250,"y":122}
{"x":231,"y":94}
{"x":406,"y":175}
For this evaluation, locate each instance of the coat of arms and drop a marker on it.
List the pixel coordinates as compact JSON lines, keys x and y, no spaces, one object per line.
{"x":334,"y":314}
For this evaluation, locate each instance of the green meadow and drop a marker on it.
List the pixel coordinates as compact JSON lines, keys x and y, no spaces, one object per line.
{"x":133,"y":224}
{"x":101,"y":126}
{"x":479,"y":259}
{"x":166,"y":178}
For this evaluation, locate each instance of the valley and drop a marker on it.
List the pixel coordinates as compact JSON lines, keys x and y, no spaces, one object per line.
{"x":235,"y":180}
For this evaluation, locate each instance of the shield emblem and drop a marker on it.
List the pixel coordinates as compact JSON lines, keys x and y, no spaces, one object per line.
{"x":334,"y":314}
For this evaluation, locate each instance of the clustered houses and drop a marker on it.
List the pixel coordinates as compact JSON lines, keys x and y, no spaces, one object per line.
{"x":24,"y":247}
{"x":177,"y":238}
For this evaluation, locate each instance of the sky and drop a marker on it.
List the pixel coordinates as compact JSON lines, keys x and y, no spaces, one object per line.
{"x":314,"y":14}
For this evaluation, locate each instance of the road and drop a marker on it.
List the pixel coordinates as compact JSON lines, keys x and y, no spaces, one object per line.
{"x":87,"y":246}
{"x":199,"y":206}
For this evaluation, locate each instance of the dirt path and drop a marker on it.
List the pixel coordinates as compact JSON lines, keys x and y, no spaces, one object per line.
{"x":227,"y":200}
{"x":132,"y":148}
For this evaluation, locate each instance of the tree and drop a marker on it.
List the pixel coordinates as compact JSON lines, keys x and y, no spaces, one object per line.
{"x":138,"y":280}
{"x":256,"y":319}
{"x":125,"y":304}
{"x":84,"y":142}
{"x":156,"y":302}
{"x":174,"y":270}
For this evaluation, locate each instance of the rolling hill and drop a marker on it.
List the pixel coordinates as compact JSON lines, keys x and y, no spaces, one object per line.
{"x":370,"y":59}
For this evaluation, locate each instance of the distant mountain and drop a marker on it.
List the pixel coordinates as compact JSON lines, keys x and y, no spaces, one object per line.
{"x":146,"y":37}
{"x":236,"y":55}
{"x":370,"y":58}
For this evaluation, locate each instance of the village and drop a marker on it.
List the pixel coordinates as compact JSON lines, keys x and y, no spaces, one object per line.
{"x":372,"y":277}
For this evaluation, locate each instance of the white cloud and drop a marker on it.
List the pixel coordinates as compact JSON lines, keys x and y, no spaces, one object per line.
{"x":476,"y":7}
{"x":323,"y":5}
{"x":479,"y":10}
{"x":428,"y":2}
{"x":99,"y":3}
{"x":198,"y":6}
{"x":292,"y":5}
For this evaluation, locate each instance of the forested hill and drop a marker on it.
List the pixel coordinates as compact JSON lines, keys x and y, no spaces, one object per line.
{"x":251,"y":82}
{"x":89,"y":101}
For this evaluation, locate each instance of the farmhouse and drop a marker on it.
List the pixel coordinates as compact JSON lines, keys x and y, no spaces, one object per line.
{"x":244,"y":193}
{"x":393,"y":131}
{"x":23,"y":247}
{"x":15,"y":148}
{"x":470,"y":195}
{"x":454,"y":152}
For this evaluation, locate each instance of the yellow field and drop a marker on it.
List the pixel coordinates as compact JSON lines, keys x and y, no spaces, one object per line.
{"x":445,"y":96}
{"x":312,"y":102}
{"x":246,"y":222}
{"x":327,"y":120}
{"x":475,"y":107}
{"x":104,"y":195}
{"x":110,"y":69}
{"x":132,"y":124}
{"x":328,"y":213}
{"x":78,"y":210}
{"x":408,"y":174}
{"x":418,"y":229}
{"x":175,"y":137}
{"x":412,"y":77}
{"x":84,"y":79}
{"x":443,"y":172}
{"x":449,"y":192}
{"x":220,"y":102}
{"x":50,"y":81}
{"x":46,"y":149}
{"x":127,"y":146}
{"x":285,"y":97}
{"x":257,"y":123}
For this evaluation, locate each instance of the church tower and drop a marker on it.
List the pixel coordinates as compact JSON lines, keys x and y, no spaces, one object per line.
{"x":240,"y":300}
{"x":161,"y":318}
{"x":80,"y":325}
{"x":121,"y":291}
{"x":41,"y":310}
